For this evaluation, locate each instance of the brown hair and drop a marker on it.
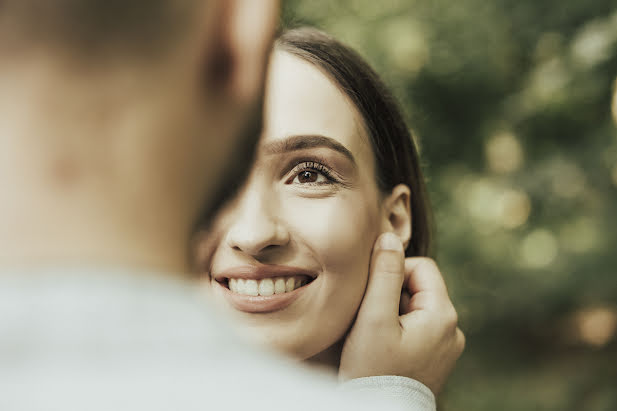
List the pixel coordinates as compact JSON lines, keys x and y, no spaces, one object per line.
{"x":392,"y":143}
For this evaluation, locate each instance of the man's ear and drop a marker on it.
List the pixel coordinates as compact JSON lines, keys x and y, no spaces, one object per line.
{"x":397,"y":213}
{"x":240,"y":50}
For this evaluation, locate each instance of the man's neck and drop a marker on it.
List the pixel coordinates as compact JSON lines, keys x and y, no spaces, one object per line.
{"x":72,"y":225}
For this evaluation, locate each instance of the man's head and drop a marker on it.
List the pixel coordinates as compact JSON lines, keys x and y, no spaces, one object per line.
{"x":119,"y":120}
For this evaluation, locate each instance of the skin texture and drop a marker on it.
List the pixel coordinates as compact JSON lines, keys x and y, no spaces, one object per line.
{"x":326,"y":226}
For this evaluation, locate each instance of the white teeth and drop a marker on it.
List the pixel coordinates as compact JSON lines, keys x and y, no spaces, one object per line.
{"x":267,"y":286}
{"x":251,"y":288}
{"x":279,"y":286}
{"x":240,"y":286}
{"x":290,"y":284}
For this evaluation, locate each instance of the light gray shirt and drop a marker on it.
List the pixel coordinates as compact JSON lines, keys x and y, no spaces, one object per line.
{"x":86,"y":339}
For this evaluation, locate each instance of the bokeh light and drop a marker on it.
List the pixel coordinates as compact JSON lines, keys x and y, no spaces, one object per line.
{"x":515,"y":208}
{"x":593,"y":43}
{"x":595,"y":326}
{"x":406,"y":46}
{"x":504,"y":153}
{"x":539,"y":248}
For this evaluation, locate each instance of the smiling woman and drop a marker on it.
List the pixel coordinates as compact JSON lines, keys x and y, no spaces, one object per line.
{"x":336,"y":167}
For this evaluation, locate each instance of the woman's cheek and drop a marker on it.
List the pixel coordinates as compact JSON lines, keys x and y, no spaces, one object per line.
{"x":340,"y":231}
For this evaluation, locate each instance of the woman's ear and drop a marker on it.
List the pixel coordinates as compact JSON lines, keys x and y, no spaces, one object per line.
{"x":397,"y":213}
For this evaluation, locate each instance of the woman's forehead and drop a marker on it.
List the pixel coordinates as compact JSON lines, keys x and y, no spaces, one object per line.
{"x":302,"y":100}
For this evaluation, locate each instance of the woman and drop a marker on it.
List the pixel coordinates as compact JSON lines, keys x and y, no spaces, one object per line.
{"x":335,"y":167}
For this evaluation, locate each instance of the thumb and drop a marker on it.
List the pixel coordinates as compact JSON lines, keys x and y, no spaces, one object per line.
{"x":387,"y":271}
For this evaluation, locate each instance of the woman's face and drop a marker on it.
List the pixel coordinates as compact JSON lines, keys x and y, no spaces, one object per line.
{"x":292,"y":261}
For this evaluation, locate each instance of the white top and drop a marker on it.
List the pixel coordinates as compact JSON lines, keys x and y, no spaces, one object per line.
{"x":112,"y":340}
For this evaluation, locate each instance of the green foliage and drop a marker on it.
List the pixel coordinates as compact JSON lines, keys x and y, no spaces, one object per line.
{"x":513,"y":105}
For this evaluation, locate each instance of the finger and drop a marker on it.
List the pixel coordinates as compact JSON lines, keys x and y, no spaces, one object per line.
{"x":426,"y":285}
{"x":422,"y":301}
{"x":422,"y":274}
{"x":386,"y":275}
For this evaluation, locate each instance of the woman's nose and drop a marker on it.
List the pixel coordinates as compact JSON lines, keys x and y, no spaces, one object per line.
{"x":255,"y":227}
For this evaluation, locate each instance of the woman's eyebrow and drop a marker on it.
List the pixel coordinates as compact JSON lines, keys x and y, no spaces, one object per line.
{"x":301,"y":142}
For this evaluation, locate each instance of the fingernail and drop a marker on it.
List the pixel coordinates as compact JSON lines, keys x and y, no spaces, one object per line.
{"x":390,"y":241}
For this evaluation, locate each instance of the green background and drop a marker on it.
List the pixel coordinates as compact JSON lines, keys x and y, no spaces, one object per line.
{"x":512,"y":106}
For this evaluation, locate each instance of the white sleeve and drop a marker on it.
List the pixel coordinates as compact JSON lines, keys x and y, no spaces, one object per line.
{"x":410,"y":394}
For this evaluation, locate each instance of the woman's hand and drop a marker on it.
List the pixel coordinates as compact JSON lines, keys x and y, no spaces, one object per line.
{"x":424,"y":342}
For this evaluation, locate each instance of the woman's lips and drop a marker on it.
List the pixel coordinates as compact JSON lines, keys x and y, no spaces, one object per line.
{"x":263,"y":288}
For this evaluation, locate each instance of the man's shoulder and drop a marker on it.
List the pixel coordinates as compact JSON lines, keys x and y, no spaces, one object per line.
{"x":106,"y":341}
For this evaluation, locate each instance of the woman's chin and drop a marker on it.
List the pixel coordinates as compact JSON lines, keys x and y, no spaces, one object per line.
{"x":274,"y":338}
{"x":266,"y":338}
{"x":290,"y":324}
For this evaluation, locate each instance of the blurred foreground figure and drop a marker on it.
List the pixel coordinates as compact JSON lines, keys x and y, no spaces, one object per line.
{"x":119,"y":121}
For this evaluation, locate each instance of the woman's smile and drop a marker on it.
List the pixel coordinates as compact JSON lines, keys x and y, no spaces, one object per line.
{"x":262,"y":288}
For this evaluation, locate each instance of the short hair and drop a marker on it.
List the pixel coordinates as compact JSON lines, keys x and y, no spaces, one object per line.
{"x":91,"y":28}
{"x":393,"y":146}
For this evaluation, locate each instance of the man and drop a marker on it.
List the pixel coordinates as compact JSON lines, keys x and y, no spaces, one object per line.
{"x":119,"y":123}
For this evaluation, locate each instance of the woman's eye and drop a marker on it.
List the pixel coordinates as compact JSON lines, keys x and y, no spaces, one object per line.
{"x":309,"y":176}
